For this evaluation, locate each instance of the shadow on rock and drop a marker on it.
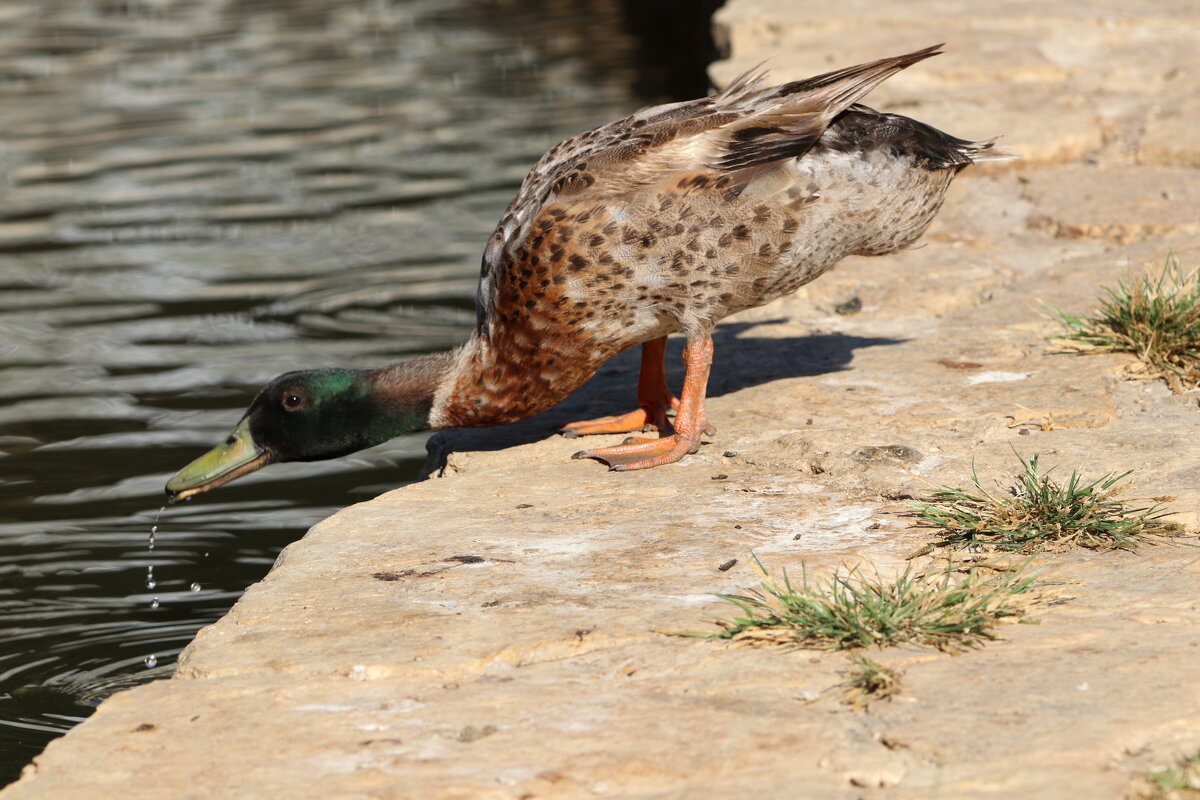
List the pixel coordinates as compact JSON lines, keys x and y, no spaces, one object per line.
{"x":739,"y":362}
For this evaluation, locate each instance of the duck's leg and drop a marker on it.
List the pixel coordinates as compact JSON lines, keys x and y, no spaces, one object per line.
{"x":653,"y":397}
{"x":690,"y":422}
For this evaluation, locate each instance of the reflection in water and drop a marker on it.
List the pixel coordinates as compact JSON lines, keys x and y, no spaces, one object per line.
{"x":200,"y":196}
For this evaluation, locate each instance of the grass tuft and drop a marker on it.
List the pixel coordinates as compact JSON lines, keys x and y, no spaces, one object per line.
{"x":1157,"y":318}
{"x":868,"y":681}
{"x":1173,"y":783}
{"x":946,"y":611}
{"x":1039,"y":512}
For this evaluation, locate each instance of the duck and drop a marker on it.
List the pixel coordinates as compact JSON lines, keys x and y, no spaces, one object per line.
{"x":661,"y":223}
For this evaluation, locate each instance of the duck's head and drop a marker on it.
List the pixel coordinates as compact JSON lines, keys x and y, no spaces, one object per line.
{"x":301,"y":416}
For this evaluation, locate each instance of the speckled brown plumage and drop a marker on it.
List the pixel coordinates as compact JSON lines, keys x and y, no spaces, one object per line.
{"x":680,"y":215}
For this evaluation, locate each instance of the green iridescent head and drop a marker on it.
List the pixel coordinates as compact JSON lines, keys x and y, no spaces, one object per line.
{"x":300,"y":416}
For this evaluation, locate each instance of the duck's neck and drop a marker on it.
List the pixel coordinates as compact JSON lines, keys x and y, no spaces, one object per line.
{"x":402,"y":395}
{"x":462,"y":388}
{"x":484,"y":383}
{"x":480,"y":384}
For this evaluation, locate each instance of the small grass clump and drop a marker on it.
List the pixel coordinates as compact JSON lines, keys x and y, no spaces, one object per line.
{"x":868,"y":681}
{"x":1173,"y":783}
{"x":947,"y":611}
{"x":1155,"y":317}
{"x":1039,"y":512}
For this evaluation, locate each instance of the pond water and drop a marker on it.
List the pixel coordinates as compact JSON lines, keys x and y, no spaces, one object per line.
{"x":200,"y":195}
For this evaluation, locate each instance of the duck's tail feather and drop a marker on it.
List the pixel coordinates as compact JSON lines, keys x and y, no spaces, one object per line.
{"x":986,"y":150}
{"x":860,"y":128}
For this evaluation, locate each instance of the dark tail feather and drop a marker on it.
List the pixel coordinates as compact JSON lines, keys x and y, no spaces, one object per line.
{"x":864,"y":128}
{"x":986,"y":150}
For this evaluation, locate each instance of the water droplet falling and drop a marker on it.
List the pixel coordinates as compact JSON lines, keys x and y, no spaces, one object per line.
{"x":150,"y":582}
{"x":150,"y":661}
{"x":195,"y":587}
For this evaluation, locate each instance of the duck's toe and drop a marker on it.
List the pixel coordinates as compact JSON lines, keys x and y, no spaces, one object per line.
{"x":643,"y":453}
{"x":640,"y":419}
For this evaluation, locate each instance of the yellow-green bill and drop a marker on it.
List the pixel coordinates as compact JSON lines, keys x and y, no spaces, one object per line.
{"x":233,"y":458}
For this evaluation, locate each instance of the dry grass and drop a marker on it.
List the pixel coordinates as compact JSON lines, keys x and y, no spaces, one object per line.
{"x":1038,"y":512}
{"x":1155,"y":317}
{"x":868,"y":681}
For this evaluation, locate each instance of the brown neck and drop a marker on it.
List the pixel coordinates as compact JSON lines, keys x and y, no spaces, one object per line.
{"x":411,"y":384}
{"x":486,"y":383}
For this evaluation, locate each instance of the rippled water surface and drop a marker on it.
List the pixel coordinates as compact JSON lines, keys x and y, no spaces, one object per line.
{"x":198,"y":196}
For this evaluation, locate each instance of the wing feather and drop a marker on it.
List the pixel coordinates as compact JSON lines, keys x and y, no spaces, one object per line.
{"x":739,"y":131}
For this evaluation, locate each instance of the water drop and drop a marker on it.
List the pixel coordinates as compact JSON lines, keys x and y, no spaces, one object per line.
{"x":154,"y":603}
{"x":154,"y":526}
{"x":195,"y":587}
{"x":150,"y":582}
{"x":150,"y":661}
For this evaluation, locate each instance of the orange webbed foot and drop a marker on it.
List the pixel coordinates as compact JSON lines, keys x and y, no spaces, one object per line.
{"x":653,"y":396}
{"x":690,"y":423}
{"x":636,"y":453}
{"x":641,"y":419}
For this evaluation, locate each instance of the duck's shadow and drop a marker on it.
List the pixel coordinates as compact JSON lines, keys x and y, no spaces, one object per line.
{"x":738,"y":362}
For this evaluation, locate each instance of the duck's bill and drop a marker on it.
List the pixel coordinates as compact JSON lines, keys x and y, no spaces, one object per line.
{"x":238,"y":455}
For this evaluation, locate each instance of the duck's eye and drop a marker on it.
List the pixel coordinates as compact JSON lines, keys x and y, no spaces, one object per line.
{"x":292,"y":401}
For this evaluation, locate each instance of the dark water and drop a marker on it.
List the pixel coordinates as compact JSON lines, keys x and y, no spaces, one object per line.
{"x":200,"y":195}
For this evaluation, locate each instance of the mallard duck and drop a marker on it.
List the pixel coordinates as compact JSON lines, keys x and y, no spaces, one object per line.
{"x":663,"y":222}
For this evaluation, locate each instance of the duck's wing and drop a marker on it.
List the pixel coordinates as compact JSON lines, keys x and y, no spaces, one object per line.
{"x":735,"y":133}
